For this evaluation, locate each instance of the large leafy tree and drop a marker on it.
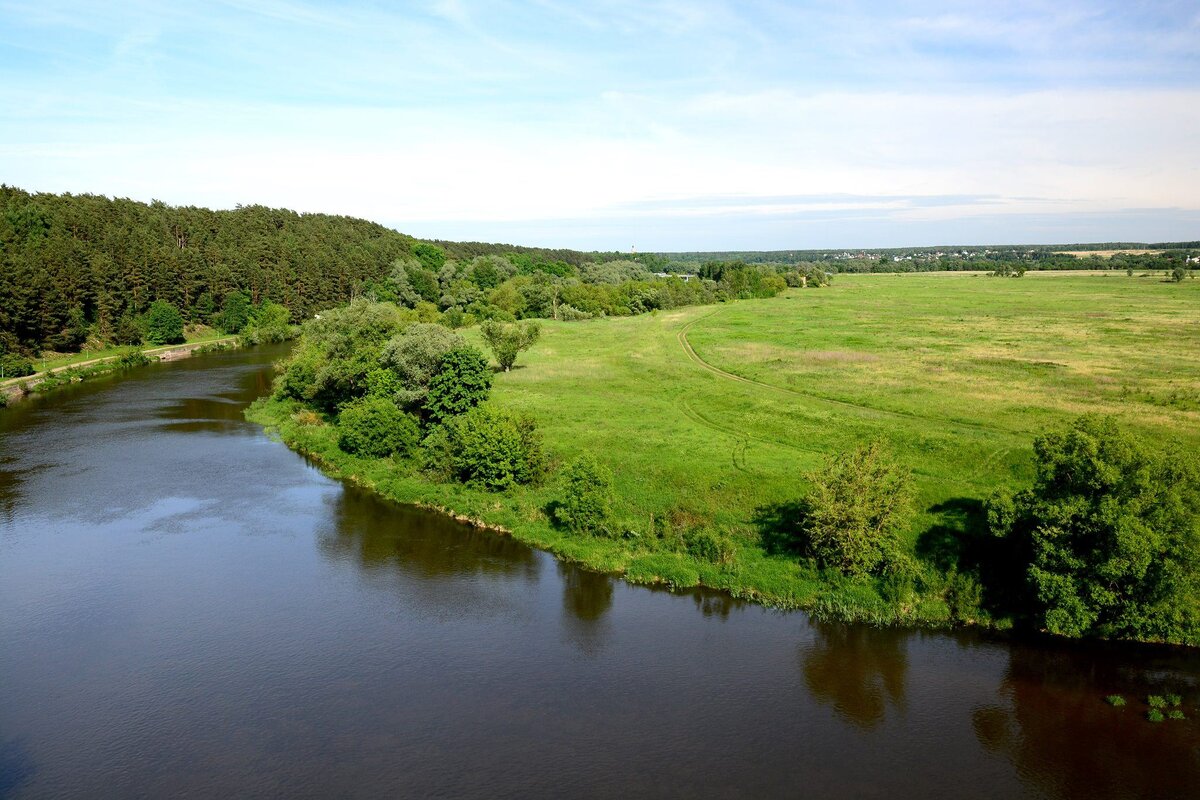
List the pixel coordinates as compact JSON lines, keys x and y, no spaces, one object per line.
{"x":507,"y":340}
{"x":164,"y":323}
{"x":1109,"y":533}
{"x":462,"y":382}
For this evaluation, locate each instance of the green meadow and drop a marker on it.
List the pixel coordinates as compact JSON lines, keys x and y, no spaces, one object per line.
{"x":709,"y":417}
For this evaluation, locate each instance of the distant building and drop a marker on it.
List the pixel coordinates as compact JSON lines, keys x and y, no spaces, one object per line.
{"x":684,"y":278}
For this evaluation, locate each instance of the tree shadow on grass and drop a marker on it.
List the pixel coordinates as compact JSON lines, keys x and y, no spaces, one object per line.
{"x":960,"y":542}
{"x":778,"y":524}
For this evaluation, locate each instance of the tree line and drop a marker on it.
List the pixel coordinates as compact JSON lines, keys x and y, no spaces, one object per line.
{"x":86,"y":270}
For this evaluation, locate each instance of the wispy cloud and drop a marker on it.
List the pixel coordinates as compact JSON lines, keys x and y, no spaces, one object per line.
{"x":707,"y":119}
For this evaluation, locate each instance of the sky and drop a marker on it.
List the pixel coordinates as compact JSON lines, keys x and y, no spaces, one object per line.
{"x":656,"y":125}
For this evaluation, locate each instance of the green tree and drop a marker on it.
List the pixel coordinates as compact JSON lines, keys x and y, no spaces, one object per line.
{"x":462,"y":382}
{"x":235,"y":313}
{"x":337,"y":350}
{"x":491,"y":448}
{"x":415,"y":356}
{"x":852,"y":517}
{"x":586,"y":500}
{"x":507,"y":340}
{"x":1109,"y":534}
{"x":164,"y":323}
{"x":127,"y":331}
{"x":1179,"y":273}
{"x":373,"y":426}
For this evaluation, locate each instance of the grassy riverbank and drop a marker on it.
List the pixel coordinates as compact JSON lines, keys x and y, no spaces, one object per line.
{"x":709,"y":417}
{"x":77,"y":367}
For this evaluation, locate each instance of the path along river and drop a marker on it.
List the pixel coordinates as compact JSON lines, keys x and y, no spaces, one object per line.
{"x":188,"y":608}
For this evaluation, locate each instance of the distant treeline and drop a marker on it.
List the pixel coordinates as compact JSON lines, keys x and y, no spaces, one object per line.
{"x":80,"y":269}
{"x":974,"y":257}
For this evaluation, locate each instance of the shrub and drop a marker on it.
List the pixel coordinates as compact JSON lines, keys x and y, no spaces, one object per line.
{"x":1109,"y":535}
{"x":506,"y":341}
{"x":1154,"y":715}
{"x":491,"y":448}
{"x":1175,"y":713}
{"x":708,"y":546}
{"x":267,"y":324}
{"x":164,"y":323}
{"x":373,"y":426}
{"x":1115,"y":700}
{"x":461,"y":383}
{"x":587,"y":493}
{"x":415,"y":356}
{"x":13,"y":365}
{"x":1156,"y":701}
{"x":133,"y":358}
{"x":851,"y":518}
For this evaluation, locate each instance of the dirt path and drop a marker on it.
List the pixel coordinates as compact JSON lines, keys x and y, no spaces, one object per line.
{"x":862,"y":409}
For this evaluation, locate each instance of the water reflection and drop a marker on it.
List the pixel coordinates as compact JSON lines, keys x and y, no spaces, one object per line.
{"x":1053,"y":706}
{"x":381,"y":536}
{"x":857,"y":670}
{"x":587,"y":599}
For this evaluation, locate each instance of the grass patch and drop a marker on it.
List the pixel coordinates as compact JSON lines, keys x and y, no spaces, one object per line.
{"x":954,"y":373}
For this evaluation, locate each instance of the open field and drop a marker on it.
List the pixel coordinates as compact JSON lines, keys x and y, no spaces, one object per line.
{"x":1107,"y":253}
{"x":710,"y":416}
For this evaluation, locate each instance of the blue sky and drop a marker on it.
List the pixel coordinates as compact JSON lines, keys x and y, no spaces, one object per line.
{"x":610,"y":125}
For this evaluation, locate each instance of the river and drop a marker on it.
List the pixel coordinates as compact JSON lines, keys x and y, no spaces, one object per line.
{"x":187,"y":608}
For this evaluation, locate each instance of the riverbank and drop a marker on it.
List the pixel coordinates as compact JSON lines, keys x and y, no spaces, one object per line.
{"x":77,"y":370}
{"x":709,"y":418}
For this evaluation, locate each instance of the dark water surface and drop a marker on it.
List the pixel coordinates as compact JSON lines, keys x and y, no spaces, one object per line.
{"x":189,"y":609}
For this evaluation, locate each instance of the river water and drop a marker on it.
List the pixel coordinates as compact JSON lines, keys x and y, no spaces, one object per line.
{"x":187,"y":608}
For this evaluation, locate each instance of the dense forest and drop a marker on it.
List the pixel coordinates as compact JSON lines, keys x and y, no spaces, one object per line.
{"x":87,"y":270}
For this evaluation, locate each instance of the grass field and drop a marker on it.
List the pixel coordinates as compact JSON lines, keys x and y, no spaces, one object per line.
{"x":710,"y":416}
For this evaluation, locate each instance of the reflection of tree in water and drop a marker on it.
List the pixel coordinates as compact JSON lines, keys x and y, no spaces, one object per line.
{"x":857,"y":670}
{"x":9,"y":483}
{"x":378,"y":535}
{"x":715,"y":604}
{"x":1059,"y":733}
{"x":587,"y":597}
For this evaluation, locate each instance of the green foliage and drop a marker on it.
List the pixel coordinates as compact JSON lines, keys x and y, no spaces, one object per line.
{"x":133,"y":358}
{"x":268,"y":323}
{"x":1154,"y":715}
{"x":336,"y":352}
{"x":432,"y":257}
{"x":415,"y":356}
{"x":1178,"y":273}
{"x":1110,"y":531}
{"x":586,"y":501}
{"x":127,"y":331}
{"x":708,"y":546}
{"x":14,"y":365}
{"x":373,"y":426}
{"x":1174,"y":700}
{"x":235,"y":312}
{"x":164,"y":323}
{"x":1176,"y":713}
{"x":463,"y":381}
{"x":1156,"y":701}
{"x":491,"y":448}
{"x":506,"y":341}
{"x":851,"y":518}
{"x":1115,"y":700}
